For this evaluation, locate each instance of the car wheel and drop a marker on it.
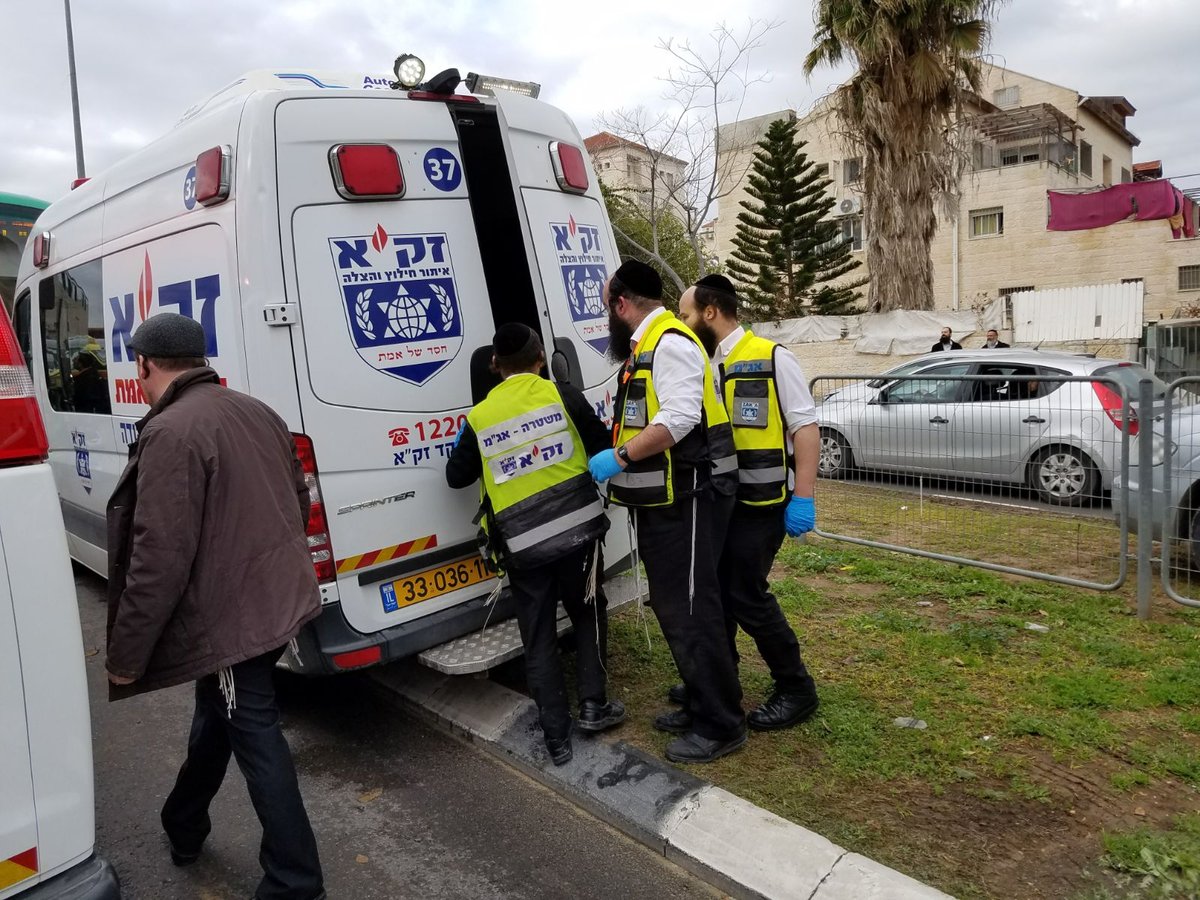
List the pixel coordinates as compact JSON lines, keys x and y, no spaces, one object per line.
{"x":1192,"y":547}
{"x":836,"y":459}
{"x":1064,"y":476}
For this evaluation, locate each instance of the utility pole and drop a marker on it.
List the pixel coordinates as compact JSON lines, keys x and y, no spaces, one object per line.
{"x":74,"y":94}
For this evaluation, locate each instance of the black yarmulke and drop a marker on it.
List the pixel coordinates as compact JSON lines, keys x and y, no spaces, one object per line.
{"x":640,"y":278}
{"x":512,"y":338}
{"x":717,"y":282}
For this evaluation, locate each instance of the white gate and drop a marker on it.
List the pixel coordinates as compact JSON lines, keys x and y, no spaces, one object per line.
{"x":1093,"y":312}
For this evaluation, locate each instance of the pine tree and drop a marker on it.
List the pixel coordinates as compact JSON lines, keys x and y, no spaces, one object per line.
{"x":787,"y":251}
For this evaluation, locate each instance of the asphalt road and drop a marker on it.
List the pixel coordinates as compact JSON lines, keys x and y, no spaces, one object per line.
{"x":399,"y":810}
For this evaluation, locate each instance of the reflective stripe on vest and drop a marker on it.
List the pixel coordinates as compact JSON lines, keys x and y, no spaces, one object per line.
{"x":535,"y":472}
{"x":751,"y":398}
{"x":652,"y":481}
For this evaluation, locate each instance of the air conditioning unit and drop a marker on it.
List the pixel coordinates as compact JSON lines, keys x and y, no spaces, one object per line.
{"x":849,"y":206}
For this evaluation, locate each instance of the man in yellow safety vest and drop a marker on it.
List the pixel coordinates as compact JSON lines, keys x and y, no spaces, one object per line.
{"x":528,"y":444}
{"x":774,"y":423}
{"x":674,"y":467}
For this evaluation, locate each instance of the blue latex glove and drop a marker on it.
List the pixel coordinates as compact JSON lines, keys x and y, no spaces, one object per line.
{"x":604,"y":465}
{"x":458,"y":437}
{"x":801,"y":516}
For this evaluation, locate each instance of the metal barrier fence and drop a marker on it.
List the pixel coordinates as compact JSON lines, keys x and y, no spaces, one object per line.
{"x":1175,"y":493}
{"x":1000,"y":465}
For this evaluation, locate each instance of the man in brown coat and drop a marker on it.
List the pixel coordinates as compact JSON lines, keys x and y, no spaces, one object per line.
{"x":209,"y":579}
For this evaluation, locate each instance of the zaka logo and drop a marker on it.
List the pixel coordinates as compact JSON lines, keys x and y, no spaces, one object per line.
{"x":584,"y":270}
{"x":401,"y":301}
{"x":604,"y":408}
{"x":195,"y":298}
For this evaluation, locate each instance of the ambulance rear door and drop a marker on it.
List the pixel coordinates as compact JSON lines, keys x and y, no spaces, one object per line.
{"x":393,"y":306}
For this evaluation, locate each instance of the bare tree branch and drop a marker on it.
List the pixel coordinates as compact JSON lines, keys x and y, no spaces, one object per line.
{"x":706,"y":86}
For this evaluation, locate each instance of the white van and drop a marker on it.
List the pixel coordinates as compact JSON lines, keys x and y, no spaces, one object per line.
{"x":349,"y":249}
{"x":47,"y":811}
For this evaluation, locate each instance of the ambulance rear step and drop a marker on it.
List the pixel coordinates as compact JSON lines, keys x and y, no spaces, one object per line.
{"x":501,"y":641}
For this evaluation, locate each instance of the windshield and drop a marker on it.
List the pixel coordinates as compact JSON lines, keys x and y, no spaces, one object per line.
{"x":892,"y":374}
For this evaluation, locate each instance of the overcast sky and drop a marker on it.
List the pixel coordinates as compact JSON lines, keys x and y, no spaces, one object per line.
{"x":141,"y":63}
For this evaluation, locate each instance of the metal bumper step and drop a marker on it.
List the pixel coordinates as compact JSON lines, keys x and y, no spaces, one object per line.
{"x":501,"y":641}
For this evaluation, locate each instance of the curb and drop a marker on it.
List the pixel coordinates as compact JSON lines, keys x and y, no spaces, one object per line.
{"x":732,"y":844}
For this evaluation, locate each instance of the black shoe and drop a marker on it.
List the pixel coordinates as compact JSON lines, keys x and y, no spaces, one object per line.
{"x":677,"y":721}
{"x":691,"y":748}
{"x":678,"y":694}
{"x":560,"y":750}
{"x":179,"y":857}
{"x":783,"y":711}
{"x":595,"y":716}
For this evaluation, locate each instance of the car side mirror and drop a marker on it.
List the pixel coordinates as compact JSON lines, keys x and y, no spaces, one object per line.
{"x":881,"y":399}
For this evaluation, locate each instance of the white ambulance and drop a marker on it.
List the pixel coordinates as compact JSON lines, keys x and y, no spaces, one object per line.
{"x":47,"y":810}
{"x":350,"y":246}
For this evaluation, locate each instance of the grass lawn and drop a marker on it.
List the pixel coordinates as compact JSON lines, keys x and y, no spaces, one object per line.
{"x":1061,"y":763}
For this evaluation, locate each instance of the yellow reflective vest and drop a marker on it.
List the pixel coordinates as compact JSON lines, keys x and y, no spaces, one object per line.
{"x":751,"y":397}
{"x":535,"y":474}
{"x":704,"y":455}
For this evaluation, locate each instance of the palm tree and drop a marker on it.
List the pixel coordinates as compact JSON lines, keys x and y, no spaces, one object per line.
{"x":918,"y":61}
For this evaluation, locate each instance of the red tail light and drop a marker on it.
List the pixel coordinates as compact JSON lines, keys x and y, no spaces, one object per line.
{"x":366,"y":171}
{"x":1115,"y":408}
{"x":444,"y":98}
{"x":319,"y":546}
{"x":213,"y":176}
{"x":22,"y":435}
{"x":356,"y":659}
{"x":569,"y":169}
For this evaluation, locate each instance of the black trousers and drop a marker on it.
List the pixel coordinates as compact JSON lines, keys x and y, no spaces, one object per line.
{"x":678,"y":545}
{"x":250,"y":732}
{"x":753,"y":539}
{"x":537,"y":593}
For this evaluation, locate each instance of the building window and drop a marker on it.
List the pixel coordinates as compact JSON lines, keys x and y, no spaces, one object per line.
{"x":852,"y":170}
{"x":74,"y":357}
{"x":1085,"y":158}
{"x":987,"y":222}
{"x":852,"y":231}
{"x":1008,"y":97}
{"x":633,"y":167}
{"x":1126,"y":176}
{"x":822,"y":170}
{"x":1189,"y":278}
{"x":1106,"y":171}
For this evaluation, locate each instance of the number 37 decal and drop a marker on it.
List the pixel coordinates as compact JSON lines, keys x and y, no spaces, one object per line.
{"x":442,"y":169}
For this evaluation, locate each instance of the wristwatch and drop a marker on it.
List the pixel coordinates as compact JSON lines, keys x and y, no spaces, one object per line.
{"x":623,"y":454}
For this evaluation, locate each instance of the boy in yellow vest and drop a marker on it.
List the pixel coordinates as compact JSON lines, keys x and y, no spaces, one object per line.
{"x":774,"y":423}
{"x":528,"y":444}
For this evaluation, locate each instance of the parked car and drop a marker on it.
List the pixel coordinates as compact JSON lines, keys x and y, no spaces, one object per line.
{"x":47,"y":818}
{"x":1175,"y":512}
{"x":995,"y":416}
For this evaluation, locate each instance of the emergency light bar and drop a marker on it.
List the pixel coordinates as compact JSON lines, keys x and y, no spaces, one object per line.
{"x":489,"y":84}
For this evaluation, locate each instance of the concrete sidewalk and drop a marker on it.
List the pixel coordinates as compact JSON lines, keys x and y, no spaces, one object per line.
{"x":731,"y":843}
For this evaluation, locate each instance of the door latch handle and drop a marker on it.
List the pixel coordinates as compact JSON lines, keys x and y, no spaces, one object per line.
{"x":938,"y":420}
{"x":1034,"y":420}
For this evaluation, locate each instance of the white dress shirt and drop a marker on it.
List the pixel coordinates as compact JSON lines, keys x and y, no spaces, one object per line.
{"x":678,"y":379}
{"x":794,"y":396}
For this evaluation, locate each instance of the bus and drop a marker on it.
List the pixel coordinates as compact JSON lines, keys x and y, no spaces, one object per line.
{"x":17,"y":215}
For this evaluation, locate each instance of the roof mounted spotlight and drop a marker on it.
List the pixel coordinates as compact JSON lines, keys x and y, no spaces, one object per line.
{"x":443,"y":82}
{"x":409,"y":71}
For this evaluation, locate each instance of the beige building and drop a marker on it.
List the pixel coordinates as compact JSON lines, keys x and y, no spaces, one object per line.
{"x":1028,"y":136}
{"x":634,"y":169}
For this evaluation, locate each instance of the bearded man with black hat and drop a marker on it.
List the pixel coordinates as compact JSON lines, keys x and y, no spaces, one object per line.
{"x":674,"y":467}
{"x":527,"y":443}
{"x":774,"y":422}
{"x":209,"y":578}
